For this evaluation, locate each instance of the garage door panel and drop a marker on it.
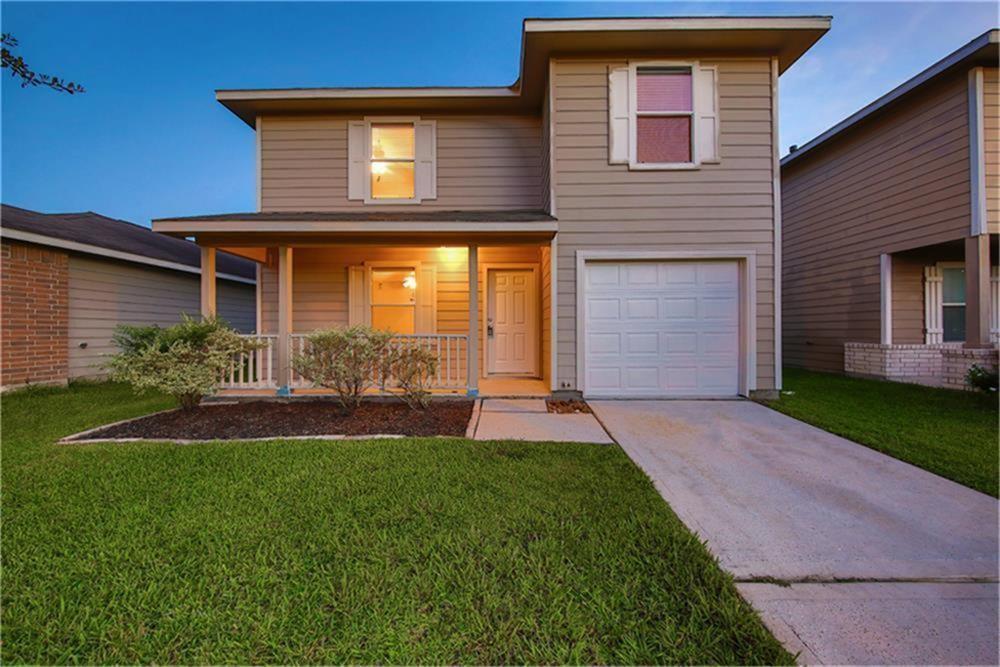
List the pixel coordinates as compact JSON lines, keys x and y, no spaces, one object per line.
{"x":662,"y":328}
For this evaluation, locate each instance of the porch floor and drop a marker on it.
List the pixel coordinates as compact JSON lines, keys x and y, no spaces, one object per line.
{"x":497,"y":387}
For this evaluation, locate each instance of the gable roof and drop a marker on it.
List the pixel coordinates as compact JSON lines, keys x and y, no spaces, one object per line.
{"x":983,"y":50}
{"x":784,"y":37}
{"x":98,"y":234}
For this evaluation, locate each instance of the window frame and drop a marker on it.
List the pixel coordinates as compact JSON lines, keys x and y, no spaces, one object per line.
{"x":634,"y":113}
{"x":389,"y":120}
{"x":371,"y":266}
{"x":942,"y":266}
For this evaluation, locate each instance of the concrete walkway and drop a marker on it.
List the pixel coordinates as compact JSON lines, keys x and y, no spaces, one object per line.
{"x":777,"y":499}
{"x":529,"y":419}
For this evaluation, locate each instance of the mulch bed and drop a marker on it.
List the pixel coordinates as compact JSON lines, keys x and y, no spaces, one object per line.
{"x":568,"y":407}
{"x":265,"y":419}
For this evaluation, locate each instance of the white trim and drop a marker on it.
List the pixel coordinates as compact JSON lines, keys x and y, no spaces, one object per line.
{"x":554,"y":314}
{"x":552,"y":137}
{"x":776,"y":203}
{"x":987,"y":38}
{"x":748,"y":300}
{"x":536,"y":273}
{"x":977,"y":153}
{"x":885,"y":298}
{"x":633,"y":115}
{"x":195,"y":226}
{"x":369,"y":121}
{"x":249,"y":94}
{"x":41,"y":239}
{"x":679,"y":23}
{"x":259,"y":298}
{"x":259,"y":176}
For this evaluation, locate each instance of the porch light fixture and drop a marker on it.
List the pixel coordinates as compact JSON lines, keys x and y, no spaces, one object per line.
{"x":410,"y":282}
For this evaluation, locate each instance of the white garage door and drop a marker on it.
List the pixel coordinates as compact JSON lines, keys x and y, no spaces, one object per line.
{"x":661,"y":328}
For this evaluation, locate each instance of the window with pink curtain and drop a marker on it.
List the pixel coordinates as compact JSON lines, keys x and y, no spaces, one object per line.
{"x":664,"y":105}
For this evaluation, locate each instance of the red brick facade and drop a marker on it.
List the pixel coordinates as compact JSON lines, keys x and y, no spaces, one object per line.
{"x":34,"y":315}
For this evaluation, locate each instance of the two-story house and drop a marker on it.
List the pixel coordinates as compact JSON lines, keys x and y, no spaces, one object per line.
{"x":608,"y":225}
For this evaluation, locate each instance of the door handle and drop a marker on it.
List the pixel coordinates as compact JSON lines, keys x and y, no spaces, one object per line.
{"x":489,"y":328}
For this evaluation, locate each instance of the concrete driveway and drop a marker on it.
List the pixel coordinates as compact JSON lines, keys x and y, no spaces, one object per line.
{"x":887,"y":563}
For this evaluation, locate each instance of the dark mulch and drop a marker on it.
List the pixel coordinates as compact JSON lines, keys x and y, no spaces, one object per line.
{"x":264,"y":419}
{"x":568,"y":407}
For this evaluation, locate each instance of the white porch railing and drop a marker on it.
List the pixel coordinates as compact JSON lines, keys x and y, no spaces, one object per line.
{"x":256,"y":369}
{"x":451,"y":351}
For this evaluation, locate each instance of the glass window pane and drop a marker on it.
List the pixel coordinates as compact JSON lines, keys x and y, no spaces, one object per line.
{"x":392,"y":180}
{"x":954,"y":324}
{"x":396,"y":319}
{"x":392,"y":141}
{"x":663,"y":139}
{"x":664,"y":89}
{"x":954,"y":285}
{"x":396,"y":286}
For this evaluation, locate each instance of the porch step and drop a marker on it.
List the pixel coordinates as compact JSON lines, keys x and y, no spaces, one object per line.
{"x":514,"y":405}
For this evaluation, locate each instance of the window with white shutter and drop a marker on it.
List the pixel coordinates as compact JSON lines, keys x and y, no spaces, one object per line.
{"x":663,"y":115}
{"x":392,"y":160}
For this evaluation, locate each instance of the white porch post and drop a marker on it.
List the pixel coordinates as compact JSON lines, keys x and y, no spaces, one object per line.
{"x":885,"y":285}
{"x":284,"y":319}
{"x":473,"y":347}
{"x":207,"y":282}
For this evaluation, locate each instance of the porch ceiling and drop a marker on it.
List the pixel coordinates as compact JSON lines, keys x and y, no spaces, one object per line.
{"x":359,"y":227}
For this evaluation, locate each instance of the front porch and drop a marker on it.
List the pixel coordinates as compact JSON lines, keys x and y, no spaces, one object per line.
{"x":939,"y":315}
{"x":484,"y":311}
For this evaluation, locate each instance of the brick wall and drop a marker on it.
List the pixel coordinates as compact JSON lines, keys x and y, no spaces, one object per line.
{"x":941,"y":365}
{"x":34,"y":315}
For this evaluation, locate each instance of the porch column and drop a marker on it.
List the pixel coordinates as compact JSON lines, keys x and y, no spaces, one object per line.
{"x":977,"y":291}
{"x":207,"y":281}
{"x":885,"y":294}
{"x":284,"y":320}
{"x":473,"y":347}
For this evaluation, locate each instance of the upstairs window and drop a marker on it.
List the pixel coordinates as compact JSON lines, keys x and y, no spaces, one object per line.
{"x":392,"y":161}
{"x":664,"y":115}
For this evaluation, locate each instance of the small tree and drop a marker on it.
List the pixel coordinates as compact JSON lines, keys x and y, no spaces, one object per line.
{"x":186,"y":360}
{"x":348,"y":361}
{"x":414,"y":369}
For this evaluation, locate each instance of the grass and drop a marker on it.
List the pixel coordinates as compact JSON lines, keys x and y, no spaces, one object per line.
{"x":950,"y":433}
{"x":393,"y":551}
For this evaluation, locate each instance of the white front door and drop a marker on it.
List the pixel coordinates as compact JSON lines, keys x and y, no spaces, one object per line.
{"x":511,"y":322}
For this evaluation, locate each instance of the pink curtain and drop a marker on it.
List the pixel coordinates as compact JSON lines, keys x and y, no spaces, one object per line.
{"x":663,"y":139}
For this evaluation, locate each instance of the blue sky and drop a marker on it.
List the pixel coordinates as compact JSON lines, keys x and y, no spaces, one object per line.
{"x":148,"y":140}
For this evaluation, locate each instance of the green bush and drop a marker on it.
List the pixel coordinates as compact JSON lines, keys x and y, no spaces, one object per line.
{"x":983,"y":379}
{"x":413,"y":369}
{"x":347,"y":361}
{"x":186,"y":360}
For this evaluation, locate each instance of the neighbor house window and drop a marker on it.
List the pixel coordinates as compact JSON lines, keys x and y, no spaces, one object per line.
{"x":394,"y":299}
{"x":392,"y":161}
{"x":664,"y":115}
{"x":953,"y":304}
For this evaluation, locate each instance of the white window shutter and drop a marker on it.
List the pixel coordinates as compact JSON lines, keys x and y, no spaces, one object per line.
{"x":426,"y":316}
{"x":933,"y":329}
{"x":618,"y":114}
{"x":426,"y":155}
{"x":706,"y":110}
{"x":356,"y":159}
{"x":358,"y":311}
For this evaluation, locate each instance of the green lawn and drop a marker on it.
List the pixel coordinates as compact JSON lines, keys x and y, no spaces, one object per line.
{"x":951,"y":433}
{"x":393,"y":551}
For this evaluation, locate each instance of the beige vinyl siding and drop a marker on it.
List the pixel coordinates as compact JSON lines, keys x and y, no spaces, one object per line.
{"x":483,"y":163}
{"x":105,"y":293}
{"x":897,"y":181}
{"x":991,"y":122}
{"x":719,"y":206}
{"x":908,"y":300}
{"x":319,"y":283}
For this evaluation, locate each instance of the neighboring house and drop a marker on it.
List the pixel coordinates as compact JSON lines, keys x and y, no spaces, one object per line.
{"x":68,"y":279}
{"x":604,"y":226}
{"x":890,"y":230}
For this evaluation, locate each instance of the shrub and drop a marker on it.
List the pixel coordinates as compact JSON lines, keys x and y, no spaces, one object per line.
{"x":186,"y":360}
{"x":347,"y":361}
{"x":983,"y":379}
{"x":414,"y":368}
